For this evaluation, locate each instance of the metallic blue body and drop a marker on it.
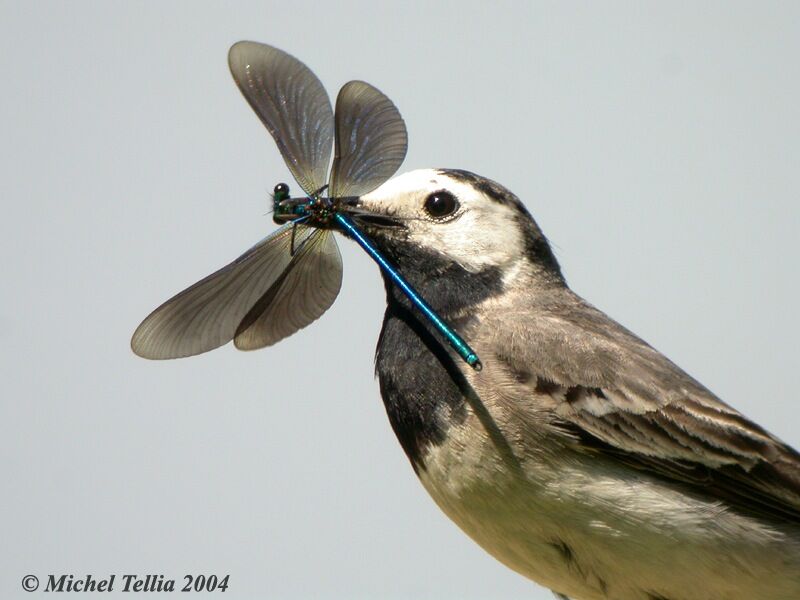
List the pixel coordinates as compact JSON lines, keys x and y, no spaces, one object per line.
{"x":458,"y":344}
{"x":320,"y":211}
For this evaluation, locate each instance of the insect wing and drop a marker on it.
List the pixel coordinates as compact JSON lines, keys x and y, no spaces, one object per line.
{"x":371,"y":140}
{"x":207,"y":314}
{"x":291,"y":102}
{"x":306,"y":289}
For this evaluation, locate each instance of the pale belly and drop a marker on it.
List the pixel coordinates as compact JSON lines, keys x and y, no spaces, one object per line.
{"x":592,"y":530}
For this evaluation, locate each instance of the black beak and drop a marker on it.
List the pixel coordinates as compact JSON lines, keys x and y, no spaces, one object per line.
{"x":355,"y":209}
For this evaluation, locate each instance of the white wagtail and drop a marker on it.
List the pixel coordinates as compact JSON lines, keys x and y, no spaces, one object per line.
{"x":579,"y":456}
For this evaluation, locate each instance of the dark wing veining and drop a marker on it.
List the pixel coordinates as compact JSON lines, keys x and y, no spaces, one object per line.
{"x":291,"y":102}
{"x":304,"y":292}
{"x":208,"y":314}
{"x":371,"y":140}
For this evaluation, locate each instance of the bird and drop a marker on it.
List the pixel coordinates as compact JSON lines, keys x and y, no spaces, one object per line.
{"x":579,"y":456}
{"x":564,"y":445}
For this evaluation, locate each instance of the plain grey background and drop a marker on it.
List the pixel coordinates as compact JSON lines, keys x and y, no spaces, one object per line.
{"x":656,"y":144}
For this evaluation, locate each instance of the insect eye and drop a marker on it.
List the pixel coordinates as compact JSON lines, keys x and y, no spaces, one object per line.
{"x":441,"y":204}
{"x":281,"y":192}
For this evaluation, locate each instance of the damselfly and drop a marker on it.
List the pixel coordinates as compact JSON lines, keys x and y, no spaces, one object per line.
{"x":292,"y":276}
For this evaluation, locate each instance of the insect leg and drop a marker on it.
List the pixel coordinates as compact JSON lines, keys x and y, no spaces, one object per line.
{"x":296,"y":222}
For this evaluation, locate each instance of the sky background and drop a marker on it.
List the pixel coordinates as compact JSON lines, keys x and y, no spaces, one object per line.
{"x":656,"y":145}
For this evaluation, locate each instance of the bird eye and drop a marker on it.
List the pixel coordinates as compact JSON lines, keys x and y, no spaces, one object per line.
{"x":441,"y":204}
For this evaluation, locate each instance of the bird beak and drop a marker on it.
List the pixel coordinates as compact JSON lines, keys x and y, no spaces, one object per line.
{"x":367,"y":214}
{"x":370,"y":214}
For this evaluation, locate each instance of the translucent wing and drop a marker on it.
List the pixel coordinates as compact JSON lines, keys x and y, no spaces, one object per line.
{"x":291,"y":102}
{"x":207,"y":315}
{"x":305,"y":291}
{"x":371,"y":140}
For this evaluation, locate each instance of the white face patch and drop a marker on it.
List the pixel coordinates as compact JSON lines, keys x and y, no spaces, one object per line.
{"x":481,"y":233}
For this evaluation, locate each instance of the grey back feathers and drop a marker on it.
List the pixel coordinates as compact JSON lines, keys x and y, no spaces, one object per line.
{"x":616,"y":396}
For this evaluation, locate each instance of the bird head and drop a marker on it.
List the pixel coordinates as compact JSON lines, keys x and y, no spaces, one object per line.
{"x":453,"y":231}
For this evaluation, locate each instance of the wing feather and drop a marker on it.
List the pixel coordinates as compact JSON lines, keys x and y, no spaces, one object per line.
{"x":616,"y":396}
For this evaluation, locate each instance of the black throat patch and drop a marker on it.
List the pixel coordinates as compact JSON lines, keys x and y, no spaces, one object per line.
{"x":421,"y":379}
{"x":422,"y":384}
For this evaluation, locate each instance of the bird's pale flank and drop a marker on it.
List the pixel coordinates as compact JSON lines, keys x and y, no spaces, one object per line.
{"x":580,"y":456}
